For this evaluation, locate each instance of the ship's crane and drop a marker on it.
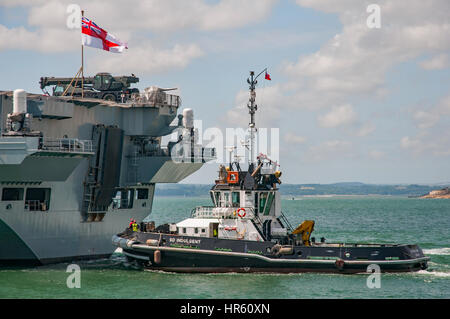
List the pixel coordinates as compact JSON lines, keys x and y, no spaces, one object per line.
{"x":305,"y":229}
{"x":101,"y":86}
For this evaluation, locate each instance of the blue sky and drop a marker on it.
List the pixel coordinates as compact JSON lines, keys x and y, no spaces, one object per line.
{"x":351,"y":103}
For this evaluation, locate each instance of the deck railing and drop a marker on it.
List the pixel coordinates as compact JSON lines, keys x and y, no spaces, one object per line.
{"x":37,"y":205}
{"x":222,"y":212}
{"x":201,"y":155}
{"x":69,"y":145}
{"x":286,"y":222}
{"x":204,"y":154}
{"x":155,"y":100}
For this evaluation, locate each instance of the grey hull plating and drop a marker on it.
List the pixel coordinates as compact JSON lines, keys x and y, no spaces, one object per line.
{"x":75,"y":171}
{"x":53,"y":237}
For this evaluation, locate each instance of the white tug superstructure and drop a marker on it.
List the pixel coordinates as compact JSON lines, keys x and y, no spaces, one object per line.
{"x":244,"y":214}
{"x":246,"y":204}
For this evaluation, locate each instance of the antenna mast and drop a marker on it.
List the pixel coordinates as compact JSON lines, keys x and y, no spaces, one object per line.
{"x":252,"y":110}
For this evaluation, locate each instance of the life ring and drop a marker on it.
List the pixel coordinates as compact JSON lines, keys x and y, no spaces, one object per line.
{"x":340,"y":264}
{"x":239,"y":212}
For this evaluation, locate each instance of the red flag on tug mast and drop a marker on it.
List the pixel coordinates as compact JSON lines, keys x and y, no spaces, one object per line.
{"x":268,"y":77}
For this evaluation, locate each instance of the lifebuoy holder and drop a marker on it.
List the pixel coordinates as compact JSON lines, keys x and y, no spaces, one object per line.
{"x":233,"y":177}
{"x":239,"y":212}
{"x":340,"y":263}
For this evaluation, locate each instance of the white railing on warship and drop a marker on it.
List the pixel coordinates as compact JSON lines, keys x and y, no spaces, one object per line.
{"x":122,"y":203}
{"x":69,"y":145}
{"x":201,"y":154}
{"x":37,"y":205}
{"x":222,"y":212}
{"x":155,"y":99}
{"x":205,"y":154}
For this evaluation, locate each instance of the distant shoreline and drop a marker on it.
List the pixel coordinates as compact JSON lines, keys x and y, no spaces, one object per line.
{"x":443,"y":193}
{"x":309,"y":190}
{"x":340,"y":195}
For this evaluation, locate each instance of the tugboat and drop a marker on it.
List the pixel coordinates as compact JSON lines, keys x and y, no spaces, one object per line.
{"x":246,"y":231}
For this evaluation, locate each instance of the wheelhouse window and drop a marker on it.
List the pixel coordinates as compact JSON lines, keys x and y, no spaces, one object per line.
{"x":142,"y":193}
{"x":225,"y":199}
{"x":262,"y":201}
{"x":235,"y":198}
{"x":12,"y":194}
{"x":256,"y":203}
{"x":217,"y":197}
{"x":123,"y":199}
{"x":265,"y":202}
{"x":58,"y":90}
{"x":37,"y":199}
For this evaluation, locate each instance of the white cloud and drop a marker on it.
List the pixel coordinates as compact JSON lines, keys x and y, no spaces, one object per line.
{"x":365,"y":129}
{"x":271,"y":99}
{"x":429,"y":118}
{"x":17,"y":3}
{"x":407,"y":142}
{"x":375,"y":154}
{"x":147,"y":59}
{"x":426,"y":119}
{"x":356,"y":60}
{"x":292,"y":138}
{"x":354,"y":63}
{"x":339,"y":115}
{"x":329,"y":150}
{"x":433,"y":136}
{"x":437,"y":145}
{"x":157,"y":15}
{"x":132,"y":22}
{"x":438,"y":62}
{"x":47,"y":40}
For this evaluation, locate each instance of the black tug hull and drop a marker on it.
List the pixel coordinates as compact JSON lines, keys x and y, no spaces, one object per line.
{"x":186,"y":254}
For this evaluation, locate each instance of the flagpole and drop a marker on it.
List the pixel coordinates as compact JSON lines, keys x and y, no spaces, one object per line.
{"x":82,"y":62}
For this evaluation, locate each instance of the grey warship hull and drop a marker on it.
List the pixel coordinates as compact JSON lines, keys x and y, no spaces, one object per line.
{"x":78,"y":171}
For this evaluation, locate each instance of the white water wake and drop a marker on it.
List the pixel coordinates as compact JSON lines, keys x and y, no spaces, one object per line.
{"x":433,"y":273}
{"x":445,"y":251}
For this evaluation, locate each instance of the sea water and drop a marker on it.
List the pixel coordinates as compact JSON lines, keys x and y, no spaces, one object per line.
{"x":351,"y":219}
